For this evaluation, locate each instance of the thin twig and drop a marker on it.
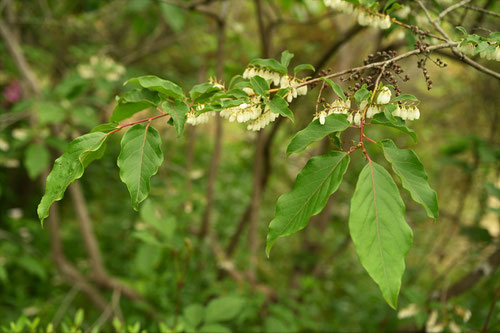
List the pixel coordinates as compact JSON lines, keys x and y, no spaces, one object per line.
{"x":482,"y":10}
{"x":452,"y":7}
{"x":490,"y":312}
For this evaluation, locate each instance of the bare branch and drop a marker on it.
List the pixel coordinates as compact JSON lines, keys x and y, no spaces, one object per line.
{"x":452,"y":7}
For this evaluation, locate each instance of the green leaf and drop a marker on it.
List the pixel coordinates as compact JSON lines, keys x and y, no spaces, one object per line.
{"x":379,"y":231}
{"x":404,"y":97}
{"x":388,"y":110}
{"x":178,"y":113}
{"x":155,"y":83}
{"x":336,"y":88}
{"x":260,"y":85}
{"x":362,"y":94}
{"x":139,"y":160}
{"x":304,"y":67}
{"x":315,"y":131}
{"x":194,"y":314}
{"x":398,"y":123}
{"x":36,"y":159}
{"x":410,"y":170}
{"x":286,"y":57}
{"x":69,"y":167}
{"x":223,"y":308}
{"x":319,"y":179}
{"x":105,"y":128}
{"x":388,"y":4}
{"x":271,"y":64}
{"x":126,"y":110}
{"x":462,"y":30}
{"x":280,"y":106}
{"x":201,"y":90}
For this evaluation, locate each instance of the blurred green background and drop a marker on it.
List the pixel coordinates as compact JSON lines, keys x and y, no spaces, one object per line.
{"x":79,"y":53}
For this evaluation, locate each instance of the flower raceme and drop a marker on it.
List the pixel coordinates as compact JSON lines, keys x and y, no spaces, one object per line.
{"x":365,"y":17}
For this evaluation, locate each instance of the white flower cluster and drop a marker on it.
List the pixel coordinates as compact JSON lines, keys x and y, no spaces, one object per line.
{"x":407,"y":112}
{"x":203,"y":118}
{"x":368,"y":19}
{"x":281,"y":81}
{"x":469,"y":49}
{"x":340,"y":5}
{"x":101,"y":67}
{"x":365,"y":18}
{"x":250,"y":112}
{"x":263,"y":120}
{"x":339,"y":106}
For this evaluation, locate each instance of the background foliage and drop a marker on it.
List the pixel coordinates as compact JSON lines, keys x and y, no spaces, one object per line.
{"x":81,"y":51}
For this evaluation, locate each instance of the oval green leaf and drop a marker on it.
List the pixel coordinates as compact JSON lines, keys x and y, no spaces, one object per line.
{"x":319,"y":179}
{"x":410,"y":170}
{"x":70,"y":167}
{"x":139,"y":160}
{"x":379,"y":231}
{"x":315,"y":131}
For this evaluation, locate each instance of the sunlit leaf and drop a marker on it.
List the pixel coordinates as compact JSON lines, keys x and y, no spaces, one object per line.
{"x":319,"y":179}
{"x":315,"y":131}
{"x":69,"y":167}
{"x":139,"y":160}
{"x":379,"y":231}
{"x":410,"y":170}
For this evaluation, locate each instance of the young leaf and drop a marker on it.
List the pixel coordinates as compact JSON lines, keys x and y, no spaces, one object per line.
{"x":398,"y":123}
{"x":336,"y":88}
{"x":203,"y":89}
{"x":303,"y":67}
{"x":152,"y":82}
{"x":139,"y":160}
{"x":69,"y":167}
{"x":404,"y":97}
{"x":315,"y":131}
{"x":36,"y":159}
{"x":379,"y":231}
{"x":280,"y":106}
{"x":271,"y":64}
{"x":410,"y":170}
{"x":286,"y":57}
{"x":319,"y":179}
{"x":260,"y":85}
{"x":362,"y":94}
{"x":462,"y":30}
{"x":178,"y":113}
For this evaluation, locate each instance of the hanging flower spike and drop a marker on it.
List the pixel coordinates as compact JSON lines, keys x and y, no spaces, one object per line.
{"x":467,"y":49}
{"x":384,"y":96}
{"x":372,"y":110}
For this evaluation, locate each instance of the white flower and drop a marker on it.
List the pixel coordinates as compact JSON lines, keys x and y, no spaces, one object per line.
{"x":4,"y":145}
{"x":363,"y":105}
{"x":321,"y":116}
{"x":408,"y":312}
{"x":20,"y":134}
{"x":263,"y":120}
{"x":15,"y":213}
{"x":385,"y":22}
{"x":397,"y":112}
{"x":454,"y":328}
{"x":467,"y":49}
{"x":302,"y":91}
{"x":372,"y":110}
{"x":349,"y":118}
{"x":384,"y":95}
{"x":357,"y":119}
